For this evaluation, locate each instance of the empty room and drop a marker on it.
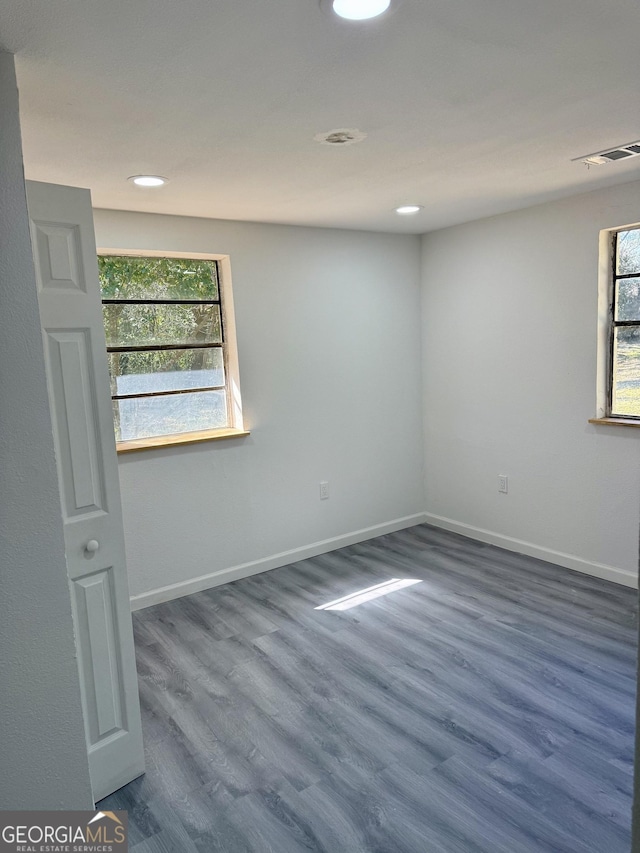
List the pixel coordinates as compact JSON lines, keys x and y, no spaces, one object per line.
{"x":319,"y":426}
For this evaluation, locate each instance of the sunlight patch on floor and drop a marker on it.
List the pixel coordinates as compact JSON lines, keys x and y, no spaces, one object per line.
{"x":371,"y":592}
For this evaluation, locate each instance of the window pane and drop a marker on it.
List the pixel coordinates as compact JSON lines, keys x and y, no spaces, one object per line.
{"x":157,"y":278}
{"x":628,"y":299}
{"x":628,"y":251}
{"x":166,"y":370}
{"x":149,"y":416}
{"x":626,"y":372}
{"x":138,"y":325}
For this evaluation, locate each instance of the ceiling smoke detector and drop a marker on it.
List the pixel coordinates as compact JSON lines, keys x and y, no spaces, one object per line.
{"x":340,"y":137}
{"x":610,"y":155}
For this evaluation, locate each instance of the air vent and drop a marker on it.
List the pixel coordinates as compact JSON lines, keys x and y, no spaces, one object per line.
{"x":611,"y":155}
{"x":618,"y":154}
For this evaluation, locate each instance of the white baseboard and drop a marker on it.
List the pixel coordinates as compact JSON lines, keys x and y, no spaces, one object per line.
{"x":177,"y":590}
{"x":569,"y":561}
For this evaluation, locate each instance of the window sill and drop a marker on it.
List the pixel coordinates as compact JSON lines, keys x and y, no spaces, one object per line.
{"x":625,"y":422}
{"x":160,"y":441}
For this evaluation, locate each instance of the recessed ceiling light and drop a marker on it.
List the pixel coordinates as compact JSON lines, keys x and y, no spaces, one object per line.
{"x":148,"y":180}
{"x":409,"y":209}
{"x":360,"y":10}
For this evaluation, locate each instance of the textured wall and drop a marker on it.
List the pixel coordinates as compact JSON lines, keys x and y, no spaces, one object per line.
{"x":42,"y":744}
{"x":509,"y":365}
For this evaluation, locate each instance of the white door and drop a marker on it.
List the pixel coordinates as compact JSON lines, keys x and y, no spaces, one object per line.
{"x":64,"y":251}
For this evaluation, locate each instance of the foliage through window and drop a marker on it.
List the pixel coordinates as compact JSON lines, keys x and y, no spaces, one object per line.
{"x":624,"y":374}
{"x":163,"y":319}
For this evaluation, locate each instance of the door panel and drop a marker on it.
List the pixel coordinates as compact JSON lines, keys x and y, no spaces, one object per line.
{"x":98,"y":630}
{"x":79,"y":395}
{"x":58,"y":255}
{"x":73,"y":392}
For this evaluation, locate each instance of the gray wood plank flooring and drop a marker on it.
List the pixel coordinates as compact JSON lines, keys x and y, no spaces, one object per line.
{"x":487,"y":709}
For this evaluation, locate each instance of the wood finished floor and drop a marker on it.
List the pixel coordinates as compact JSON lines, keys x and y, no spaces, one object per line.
{"x":488,"y":708}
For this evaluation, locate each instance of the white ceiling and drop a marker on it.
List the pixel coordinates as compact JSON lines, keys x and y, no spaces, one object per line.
{"x":471,"y":107}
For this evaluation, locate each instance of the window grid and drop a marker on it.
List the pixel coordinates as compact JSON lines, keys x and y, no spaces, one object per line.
{"x":617,"y":324}
{"x":178,"y":345}
{"x":175,"y":346}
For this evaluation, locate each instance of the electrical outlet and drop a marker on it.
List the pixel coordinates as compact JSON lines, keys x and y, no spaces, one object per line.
{"x":503,"y":483}
{"x":324,"y":490}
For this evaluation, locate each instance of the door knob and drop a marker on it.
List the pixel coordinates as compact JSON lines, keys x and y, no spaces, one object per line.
{"x":92,"y":546}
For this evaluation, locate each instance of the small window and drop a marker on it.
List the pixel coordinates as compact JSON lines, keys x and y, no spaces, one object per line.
{"x":624,"y":331}
{"x":172,"y":365}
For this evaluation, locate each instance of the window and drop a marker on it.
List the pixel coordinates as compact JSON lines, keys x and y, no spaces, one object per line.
{"x":172,"y":359}
{"x":624,"y":326}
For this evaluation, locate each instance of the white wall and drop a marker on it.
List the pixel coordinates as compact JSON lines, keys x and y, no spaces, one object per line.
{"x":509,"y":365}
{"x":329,"y":346}
{"x":42,"y":744}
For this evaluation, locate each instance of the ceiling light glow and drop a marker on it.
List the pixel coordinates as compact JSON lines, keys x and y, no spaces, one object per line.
{"x":360,"y":10}
{"x":148,"y":180}
{"x":409,"y":209}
